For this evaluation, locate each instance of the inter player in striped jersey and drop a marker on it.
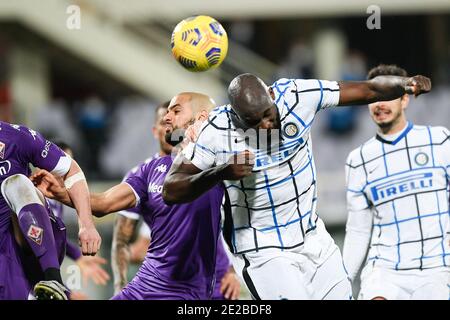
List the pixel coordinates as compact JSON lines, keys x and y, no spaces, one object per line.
{"x":398,"y":203}
{"x":260,"y":147}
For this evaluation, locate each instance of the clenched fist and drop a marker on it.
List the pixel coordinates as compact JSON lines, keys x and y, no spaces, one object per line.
{"x":89,"y":240}
{"x":239,"y":166}
{"x":417,"y":85}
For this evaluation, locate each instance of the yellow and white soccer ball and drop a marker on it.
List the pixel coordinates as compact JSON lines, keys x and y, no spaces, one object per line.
{"x":199,"y":43}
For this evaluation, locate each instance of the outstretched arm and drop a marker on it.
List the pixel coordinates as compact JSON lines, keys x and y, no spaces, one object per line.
{"x":381,"y":88}
{"x":119,"y":197}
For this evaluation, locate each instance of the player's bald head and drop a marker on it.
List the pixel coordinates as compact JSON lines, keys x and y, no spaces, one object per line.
{"x":249,"y":97}
{"x":198,"y":102}
{"x":201,"y":102}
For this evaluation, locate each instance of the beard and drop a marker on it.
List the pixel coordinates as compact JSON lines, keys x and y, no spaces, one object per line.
{"x":177,"y":134}
{"x":390,"y":123}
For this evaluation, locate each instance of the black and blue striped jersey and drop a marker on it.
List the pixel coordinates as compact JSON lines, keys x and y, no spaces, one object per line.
{"x":405,"y":184}
{"x":275,"y":207}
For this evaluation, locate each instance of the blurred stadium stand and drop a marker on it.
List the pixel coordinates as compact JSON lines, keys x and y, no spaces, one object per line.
{"x":97,"y":87}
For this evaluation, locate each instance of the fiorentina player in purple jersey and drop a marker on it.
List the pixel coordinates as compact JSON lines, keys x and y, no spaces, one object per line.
{"x":180,"y":264}
{"x":227,"y":285}
{"x":32,"y":239}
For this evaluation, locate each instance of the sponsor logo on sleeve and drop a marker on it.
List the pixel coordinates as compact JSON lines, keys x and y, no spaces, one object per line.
{"x":44,"y":152}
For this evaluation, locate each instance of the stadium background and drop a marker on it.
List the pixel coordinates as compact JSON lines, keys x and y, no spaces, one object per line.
{"x":96,"y":87}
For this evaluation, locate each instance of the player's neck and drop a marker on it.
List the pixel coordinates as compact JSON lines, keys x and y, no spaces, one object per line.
{"x":396,"y":127}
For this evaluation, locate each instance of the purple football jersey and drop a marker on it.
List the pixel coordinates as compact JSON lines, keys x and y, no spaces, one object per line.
{"x":222,"y":265}
{"x":182,"y":255}
{"x":20,"y":147}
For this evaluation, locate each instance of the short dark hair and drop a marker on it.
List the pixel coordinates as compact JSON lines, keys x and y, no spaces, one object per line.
{"x":386,"y":70}
{"x":164,"y":106}
{"x":61,"y":144}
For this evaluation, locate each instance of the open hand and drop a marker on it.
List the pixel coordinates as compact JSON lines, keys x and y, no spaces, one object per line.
{"x":91,"y":268}
{"x":50,"y":186}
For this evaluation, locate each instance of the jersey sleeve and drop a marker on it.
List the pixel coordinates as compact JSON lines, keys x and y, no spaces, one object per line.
{"x":132,"y":213}
{"x":446,"y":151}
{"x":317,"y":94}
{"x":137,"y":180}
{"x":144,"y":230}
{"x":359,"y":221}
{"x":202,"y":153}
{"x":42,"y":153}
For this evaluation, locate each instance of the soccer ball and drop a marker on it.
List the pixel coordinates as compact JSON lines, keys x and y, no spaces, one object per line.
{"x":199,"y":43}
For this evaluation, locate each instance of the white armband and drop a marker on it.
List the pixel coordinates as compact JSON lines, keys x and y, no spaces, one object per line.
{"x":69,"y":182}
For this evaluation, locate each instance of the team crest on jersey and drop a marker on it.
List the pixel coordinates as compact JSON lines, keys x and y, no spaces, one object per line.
{"x":161,"y":168}
{"x":2,"y":150}
{"x":35,"y":233}
{"x":421,"y":159}
{"x":290,"y":130}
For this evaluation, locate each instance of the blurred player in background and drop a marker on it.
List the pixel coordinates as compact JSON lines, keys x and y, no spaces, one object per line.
{"x":32,"y":239}
{"x":181,"y":261}
{"x":260,"y":147}
{"x":227,"y":285}
{"x":398,"y":203}
{"x":90,"y":266}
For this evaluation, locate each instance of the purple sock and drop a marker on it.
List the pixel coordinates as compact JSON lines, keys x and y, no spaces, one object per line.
{"x":37,"y":229}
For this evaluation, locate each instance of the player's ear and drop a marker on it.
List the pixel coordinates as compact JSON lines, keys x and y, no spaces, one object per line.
{"x":405,"y":101}
{"x":202,"y":115}
{"x":272,"y":95}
